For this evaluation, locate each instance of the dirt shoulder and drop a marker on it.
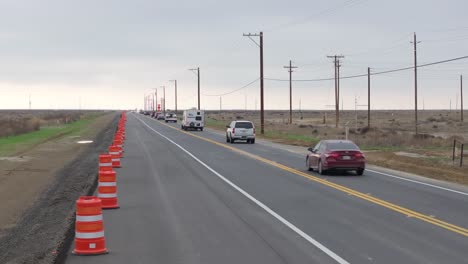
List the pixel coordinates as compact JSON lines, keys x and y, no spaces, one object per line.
{"x":38,"y":190}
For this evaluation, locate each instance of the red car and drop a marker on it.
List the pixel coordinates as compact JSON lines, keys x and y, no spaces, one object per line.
{"x":336,"y":155}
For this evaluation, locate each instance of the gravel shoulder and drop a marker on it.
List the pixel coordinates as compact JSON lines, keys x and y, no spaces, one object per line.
{"x":38,"y":190}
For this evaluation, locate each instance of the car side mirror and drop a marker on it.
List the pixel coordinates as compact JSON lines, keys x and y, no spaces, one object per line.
{"x":227,"y":126}
{"x":310,"y":149}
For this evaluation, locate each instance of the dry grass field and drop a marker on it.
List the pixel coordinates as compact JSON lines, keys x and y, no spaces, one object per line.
{"x":389,"y":142}
{"x":16,"y":122}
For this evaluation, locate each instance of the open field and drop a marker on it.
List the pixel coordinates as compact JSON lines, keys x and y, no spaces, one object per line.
{"x":19,"y":143}
{"x":389,"y":142}
{"x":41,"y":175}
{"x":16,"y":122}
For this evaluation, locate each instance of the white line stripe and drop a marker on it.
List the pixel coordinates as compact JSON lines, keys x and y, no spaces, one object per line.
{"x":114,"y":153}
{"x":107,"y":195}
{"x":314,"y":242}
{"x":107,"y":184}
{"x":89,"y":235}
{"x":88,"y":218}
{"x":423,"y":183}
{"x":105,"y":164}
{"x":115,"y":160}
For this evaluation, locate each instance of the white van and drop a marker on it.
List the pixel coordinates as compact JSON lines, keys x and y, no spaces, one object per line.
{"x":194,"y":119}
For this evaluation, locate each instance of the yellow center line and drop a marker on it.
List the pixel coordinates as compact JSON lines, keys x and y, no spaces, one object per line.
{"x":405,"y":211}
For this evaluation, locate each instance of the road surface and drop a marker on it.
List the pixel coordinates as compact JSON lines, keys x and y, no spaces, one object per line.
{"x":190,"y":197}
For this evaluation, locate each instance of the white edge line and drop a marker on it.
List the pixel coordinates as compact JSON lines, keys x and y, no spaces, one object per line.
{"x":398,"y":177}
{"x":314,"y":242}
{"x":419,"y":182}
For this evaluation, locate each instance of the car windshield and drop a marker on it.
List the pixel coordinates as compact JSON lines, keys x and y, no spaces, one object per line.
{"x":341,"y":146}
{"x":244,"y":125}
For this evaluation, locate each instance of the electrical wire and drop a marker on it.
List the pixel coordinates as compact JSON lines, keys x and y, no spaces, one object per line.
{"x":374,"y":73}
{"x":235,"y":90}
{"x":327,"y":11}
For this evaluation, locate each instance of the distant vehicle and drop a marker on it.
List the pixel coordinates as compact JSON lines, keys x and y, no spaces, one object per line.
{"x":240,"y":130}
{"x":159,"y":116}
{"x":336,"y":155}
{"x":193,"y":119}
{"x":171,"y":117}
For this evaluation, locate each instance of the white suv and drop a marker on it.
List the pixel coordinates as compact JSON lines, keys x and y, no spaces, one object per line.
{"x":240,"y":130}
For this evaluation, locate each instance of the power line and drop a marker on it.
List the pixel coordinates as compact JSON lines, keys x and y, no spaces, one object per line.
{"x":235,"y":90}
{"x":373,"y":73}
{"x":327,"y":11}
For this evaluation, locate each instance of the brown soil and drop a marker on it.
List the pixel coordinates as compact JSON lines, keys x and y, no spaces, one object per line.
{"x":24,"y":177}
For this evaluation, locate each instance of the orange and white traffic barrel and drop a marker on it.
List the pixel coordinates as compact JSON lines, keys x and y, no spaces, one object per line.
{"x":118,"y":143}
{"x":89,"y":227}
{"x":105,"y":162}
{"x":115,"y":154}
{"x":107,"y":189}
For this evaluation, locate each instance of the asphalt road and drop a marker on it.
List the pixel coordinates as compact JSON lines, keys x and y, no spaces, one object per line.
{"x":189,"y":197}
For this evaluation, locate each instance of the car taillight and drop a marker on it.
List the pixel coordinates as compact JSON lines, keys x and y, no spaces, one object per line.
{"x":254,"y":130}
{"x":359,"y":155}
{"x":234,"y":130}
{"x":333,"y":156}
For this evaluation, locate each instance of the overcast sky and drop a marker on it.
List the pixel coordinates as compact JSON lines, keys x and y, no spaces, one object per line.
{"x":110,"y":53}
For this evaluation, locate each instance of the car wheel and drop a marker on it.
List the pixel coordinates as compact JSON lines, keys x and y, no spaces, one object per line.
{"x":360,"y":171}
{"x":231,"y":139}
{"x":321,"y":171}
{"x":227,"y":138}
{"x":201,"y":129}
{"x":308,"y":165}
{"x":252,"y":141}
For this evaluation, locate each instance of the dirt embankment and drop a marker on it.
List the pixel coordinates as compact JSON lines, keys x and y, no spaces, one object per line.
{"x":48,"y":183}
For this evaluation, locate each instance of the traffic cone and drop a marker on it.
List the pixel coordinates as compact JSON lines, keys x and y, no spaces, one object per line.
{"x":107,"y":189}
{"x":89,"y":227}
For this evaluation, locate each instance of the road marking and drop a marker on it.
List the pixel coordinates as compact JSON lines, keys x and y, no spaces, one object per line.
{"x":405,"y":211}
{"x":374,"y":171}
{"x":314,"y":242}
{"x":419,"y":182}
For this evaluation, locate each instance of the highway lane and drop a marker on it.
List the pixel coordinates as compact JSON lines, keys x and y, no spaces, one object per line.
{"x":174,"y":210}
{"x":439,"y":203}
{"x":384,"y":232}
{"x":355,"y":229}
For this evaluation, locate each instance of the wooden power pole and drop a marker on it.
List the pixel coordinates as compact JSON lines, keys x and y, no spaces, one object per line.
{"x":461,"y":97}
{"x":337,"y":91}
{"x":368,"y":97}
{"x":262,"y":109}
{"x":415,"y":43}
{"x":290,"y":67}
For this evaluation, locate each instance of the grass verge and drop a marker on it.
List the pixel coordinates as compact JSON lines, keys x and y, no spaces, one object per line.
{"x":16,"y":144}
{"x":436,"y":164}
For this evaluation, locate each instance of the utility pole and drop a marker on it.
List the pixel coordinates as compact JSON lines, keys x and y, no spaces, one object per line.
{"x":198,"y":71}
{"x":198,"y":77}
{"x":337,"y":91}
{"x":155,"y":99}
{"x":262,"y":117}
{"x":415,"y":42}
{"x":163,"y":102}
{"x":290,"y":67}
{"x":368,"y":97}
{"x":461,"y":97}
{"x":175,"y":89}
